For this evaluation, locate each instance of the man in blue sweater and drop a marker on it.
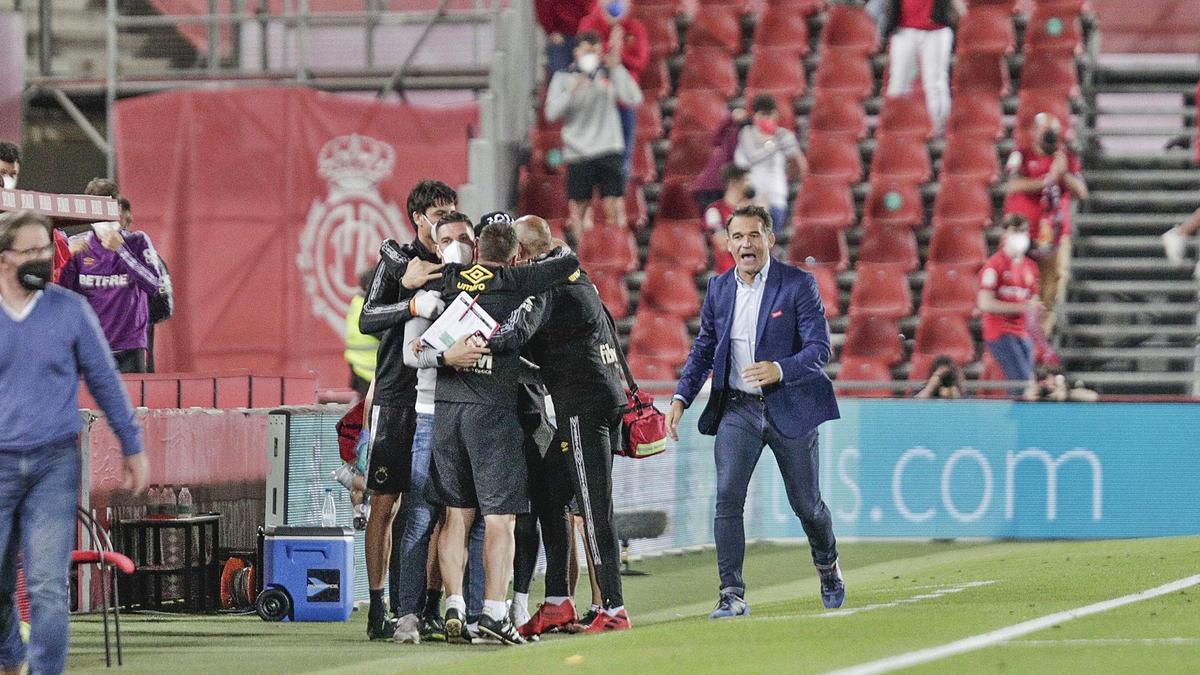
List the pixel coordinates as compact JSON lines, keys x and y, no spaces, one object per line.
{"x":49,"y":337}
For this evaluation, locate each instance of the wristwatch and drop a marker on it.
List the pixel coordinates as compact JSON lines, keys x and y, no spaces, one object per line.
{"x":441,"y":359}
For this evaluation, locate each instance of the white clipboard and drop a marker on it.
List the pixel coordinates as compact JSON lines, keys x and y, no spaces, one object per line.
{"x":462,"y":317}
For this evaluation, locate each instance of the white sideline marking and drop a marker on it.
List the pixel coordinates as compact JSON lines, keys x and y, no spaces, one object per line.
{"x":1007,"y":633}
{"x":1104,"y":642}
{"x":938,"y":592}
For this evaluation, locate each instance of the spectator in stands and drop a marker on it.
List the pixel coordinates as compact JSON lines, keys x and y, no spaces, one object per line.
{"x":10,"y":173}
{"x":1042,"y":179}
{"x":1007,"y":291}
{"x":560,"y":19}
{"x":586,"y":98}
{"x":945,"y":380}
{"x":708,"y":186}
{"x":1051,"y":385}
{"x":921,"y":39}
{"x":623,"y":33}
{"x":738,"y":193}
{"x":361,"y":349}
{"x":161,"y":305}
{"x":767,"y":150}
{"x":1175,"y":240}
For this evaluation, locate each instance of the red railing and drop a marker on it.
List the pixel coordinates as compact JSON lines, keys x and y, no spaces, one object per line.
{"x":230,"y":389}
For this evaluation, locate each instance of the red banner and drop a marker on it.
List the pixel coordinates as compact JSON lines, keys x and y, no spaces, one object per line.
{"x":266,"y":204}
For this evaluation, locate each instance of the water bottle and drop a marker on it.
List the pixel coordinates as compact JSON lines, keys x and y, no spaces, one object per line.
{"x":186,"y":506}
{"x":170,"y":502}
{"x":153,"y":502}
{"x":329,"y":510}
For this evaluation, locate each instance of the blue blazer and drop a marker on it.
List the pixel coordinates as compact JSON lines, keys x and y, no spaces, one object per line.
{"x":791,"y":331}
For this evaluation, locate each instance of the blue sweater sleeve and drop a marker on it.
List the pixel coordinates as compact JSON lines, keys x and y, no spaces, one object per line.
{"x":99,"y":370}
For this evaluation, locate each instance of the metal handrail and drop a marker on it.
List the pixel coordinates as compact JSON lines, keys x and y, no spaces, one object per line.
{"x":396,"y":82}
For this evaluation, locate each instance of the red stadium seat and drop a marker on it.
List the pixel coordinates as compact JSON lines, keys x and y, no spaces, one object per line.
{"x":970,"y":158}
{"x":837,"y":114}
{"x":635,"y":207}
{"x":975,"y":113}
{"x":950,"y":288}
{"x":861,"y":369}
{"x":646,"y":369}
{"x":980,"y":73}
{"x":849,"y":27}
{"x":698,"y":111}
{"x":785,"y":104}
{"x":708,"y":68}
{"x":881,"y":290}
{"x":715,"y":26}
{"x":944,"y":334}
{"x":545,"y":196}
{"x":963,"y":245}
{"x":992,"y":372}
{"x":985,"y":30}
{"x":680,"y":243}
{"x":825,"y":245}
{"x":778,"y":69}
{"x":649,"y":121}
{"x":782,"y":27}
{"x":905,"y":115}
{"x":1050,"y":70}
{"x":669,"y":290}
{"x":1052,"y":29}
{"x":889,"y":246}
{"x":871,"y":336}
{"x":824,"y":203}
{"x":804,"y":8}
{"x":645,"y":167}
{"x":844,"y":72}
{"x":688,"y":154}
{"x":826,"y":276}
{"x":1009,"y":6}
{"x":661,"y":337}
{"x":656,"y":80}
{"x":613,"y":291}
{"x":675,"y":200}
{"x":962,"y":204}
{"x":901,"y":158}
{"x":893,"y":203}
{"x":608,"y":249}
{"x":833,"y":157}
{"x":545,"y":145}
{"x":660,"y":28}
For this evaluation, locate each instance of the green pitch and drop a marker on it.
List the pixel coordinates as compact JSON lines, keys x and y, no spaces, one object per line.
{"x":901,"y":597}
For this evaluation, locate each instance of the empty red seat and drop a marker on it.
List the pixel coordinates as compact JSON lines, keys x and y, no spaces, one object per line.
{"x":954,"y":244}
{"x":980,"y":72}
{"x":863,"y":369}
{"x":894,"y":203}
{"x":962,"y":204}
{"x":649,"y":121}
{"x":1051,"y":70}
{"x":698,"y":111}
{"x":656,"y":80}
{"x":833,"y":157}
{"x":889,"y":246}
{"x":975,"y":113}
{"x":660,"y":28}
{"x":669,"y":290}
{"x":680,"y":243}
{"x":777,"y":68}
{"x":646,"y":369}
{"x":824,"y":203}
{"x":882,"y":290}
{"x":901,"y":158}
{"x":545,"y":152}
{"x":827,"y":286}
{"x":675,"y":200}
{"x":715,"y":26}
{"x":661,"y":337}
{"x":970,"y":157}
{"x":985,"y":30}
{"x":545,"y":196}
{"x":644,"y":169}
{"x":849,"y":27}
{"x":871,"y":336}
{"x":950,"y":288}
{"x":785,"y":104}
{"x":1009,"y":6}
{"x":804,"y":8}
{"x":837,"y":114}
{"x":905,"y":115}
{"x":1050,"y":28}
{"x":825,"y":245}
{"x":613,"y":291}
{"x":708,"y":68}
{"x":688,"y":154}
{"x":635,"y":207}
{"x":608,"y":249}
{"x":782,"y":27}
{"x":944,"y":334}
{"x":844,"y":72}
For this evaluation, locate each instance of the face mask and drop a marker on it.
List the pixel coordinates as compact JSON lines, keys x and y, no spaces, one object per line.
{"x":766,"y":125}
{"x":615,"y":8}
{"x":458,"y":253}
{"x":10,"y":182}
{"x":35,"y":274}
{"x":1015,"y":245}
{"x":589,"y":62}
{"x":1050,"y":140}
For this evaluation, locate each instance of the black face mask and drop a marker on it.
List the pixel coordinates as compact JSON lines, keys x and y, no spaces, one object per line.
{"x":35,"y":274}
{"x":1050,"y":141}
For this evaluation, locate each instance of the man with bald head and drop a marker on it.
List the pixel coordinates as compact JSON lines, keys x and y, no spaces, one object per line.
{"x":570,"y":337}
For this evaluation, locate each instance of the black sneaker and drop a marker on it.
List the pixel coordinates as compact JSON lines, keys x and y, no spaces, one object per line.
{"x":432,"y":628}
{"x":382,"y":627}
{"x":456,"y":628}
{"x":502,"y":630}
{"x":583,"y":623}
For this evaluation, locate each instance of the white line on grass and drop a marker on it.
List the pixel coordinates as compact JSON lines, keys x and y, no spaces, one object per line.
{"x":998,"y":636}
{"x":1104,"y":642}
{"x":937,"y":593}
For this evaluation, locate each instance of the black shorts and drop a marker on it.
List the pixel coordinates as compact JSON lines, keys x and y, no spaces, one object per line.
{"x":606,"y":172}
{"x":479,"y":459}
{"x":392,"y":432}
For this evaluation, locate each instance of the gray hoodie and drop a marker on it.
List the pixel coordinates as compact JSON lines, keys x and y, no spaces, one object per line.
{"x":592,"y":127}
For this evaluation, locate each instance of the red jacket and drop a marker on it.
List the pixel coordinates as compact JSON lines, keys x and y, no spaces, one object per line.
{"x":62,"y":253}
{"x":562,"y":16}
{"x":636,"y":53}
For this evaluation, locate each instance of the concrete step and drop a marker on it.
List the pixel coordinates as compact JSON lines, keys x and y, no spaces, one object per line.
{"x":1140,"y":161}
{"x":1171,"y":179}
{"x":1124,"y":268}
{"x":1114,"y":332}
{"x":1143,"y":87}
{"x":1173,"y":72}
{"x":1141,"y":380}
{"x":1133,"y":287}
{"x":1106,"y":309}
{"x":1134,"y":224}
{"x":1132,"y":246}
{"x":1136,"y":353}
{"x":1136,"y":201}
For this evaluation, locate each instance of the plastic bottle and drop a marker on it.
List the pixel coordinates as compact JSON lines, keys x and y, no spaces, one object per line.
{"x":329,"y":510}
{"x":170,"y":502}
{"x":153,"y":502}
{"x":186,"y":505}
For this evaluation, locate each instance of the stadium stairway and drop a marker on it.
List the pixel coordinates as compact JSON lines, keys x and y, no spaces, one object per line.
{"x":1130,"y":323}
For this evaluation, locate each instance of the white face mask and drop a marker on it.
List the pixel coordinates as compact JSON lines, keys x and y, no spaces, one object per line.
{"x":459,"y":253}
{"x":10,"y":182}
{"x":1015,"y":245}
{"x":589,"y":62}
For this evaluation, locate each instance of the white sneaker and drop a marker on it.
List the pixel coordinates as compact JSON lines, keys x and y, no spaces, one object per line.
{"x":407,"y":630}
{"x":517,"y":614}
{"x":1174,"y":245}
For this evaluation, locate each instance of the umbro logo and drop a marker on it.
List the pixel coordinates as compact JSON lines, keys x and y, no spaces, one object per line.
{"x":476,"y":278}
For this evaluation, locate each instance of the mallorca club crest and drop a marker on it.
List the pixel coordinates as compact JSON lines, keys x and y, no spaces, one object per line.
{"x":343,"y":233}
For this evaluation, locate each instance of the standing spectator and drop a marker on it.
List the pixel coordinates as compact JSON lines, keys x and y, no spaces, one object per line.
{"x":560,"y":19}
{"x":1008,"y":288}
{"x":161,"y":305}
{"x":767,"y":150}
{"x":10,"y":173}
{"x":624,"y":34}
{"x":586,"y":98}
{"x":50,"y":339}
{"x":922,"y":38}
{"x":361,"y":349}
{"x":738,"y":193}
{"x":708,"y":187}
{"x":117,"y":272}
{"x":1042,"y":178}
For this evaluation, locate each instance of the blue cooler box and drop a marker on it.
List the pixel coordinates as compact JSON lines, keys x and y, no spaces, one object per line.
{"x":315,"y":567}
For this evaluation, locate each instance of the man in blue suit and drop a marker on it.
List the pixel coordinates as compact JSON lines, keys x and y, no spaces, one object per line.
{"x":764,"y":337}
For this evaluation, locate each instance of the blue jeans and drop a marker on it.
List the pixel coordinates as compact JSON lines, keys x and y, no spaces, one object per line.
{"x":39,"y":495}
{"x":629,"y":129}
{"x":1015,"y":356}
{"x":411,"y":532}
{"x":559,"y":57}
{"x":745,"y":428}
{"x":778,"y":216}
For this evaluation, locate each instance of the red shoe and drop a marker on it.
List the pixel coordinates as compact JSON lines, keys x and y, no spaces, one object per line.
{"x":548,"y":618}
{"x":604,"y":623}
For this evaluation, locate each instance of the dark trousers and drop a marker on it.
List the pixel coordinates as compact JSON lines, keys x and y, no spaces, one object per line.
{"x":744,"y":429}
{"x":550,"y":491}
{"x":591,"y":436}
{"x":131,"y":361}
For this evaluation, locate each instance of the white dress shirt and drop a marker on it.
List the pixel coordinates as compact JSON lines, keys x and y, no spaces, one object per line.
{"x":743,"y":332}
